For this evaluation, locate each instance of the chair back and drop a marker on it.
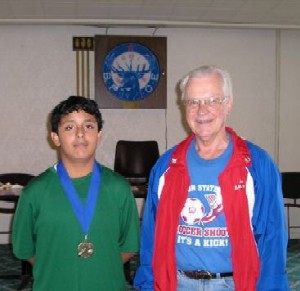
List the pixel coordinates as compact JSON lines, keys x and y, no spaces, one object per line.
{"x":291,"y":195}
{"x":9,"y":201}
{"x":134,"y":159}
{"x":16,"y":178}
{"x":291,"y":185}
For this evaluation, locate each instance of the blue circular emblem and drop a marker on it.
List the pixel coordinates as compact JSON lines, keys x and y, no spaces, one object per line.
{"x":130,"y":72}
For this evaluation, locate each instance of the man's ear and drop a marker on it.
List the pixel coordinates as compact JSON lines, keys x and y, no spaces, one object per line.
{"x":55,"y":139}
{"x":229,"y":105}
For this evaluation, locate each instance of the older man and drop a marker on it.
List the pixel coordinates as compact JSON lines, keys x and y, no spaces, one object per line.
{"x":214,"y":216}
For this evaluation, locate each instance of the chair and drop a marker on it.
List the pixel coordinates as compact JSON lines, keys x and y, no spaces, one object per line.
{"x":291,"y":194}
{"x":21,"y":179}
{"x":134,"y":160}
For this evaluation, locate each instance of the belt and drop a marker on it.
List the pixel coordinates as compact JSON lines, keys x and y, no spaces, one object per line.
{"x":197,"y":275}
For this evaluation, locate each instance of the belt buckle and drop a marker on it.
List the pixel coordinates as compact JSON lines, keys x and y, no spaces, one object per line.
{"x":205,"y":275}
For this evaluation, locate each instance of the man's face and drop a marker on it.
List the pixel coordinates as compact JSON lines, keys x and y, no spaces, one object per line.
{"x":77,"y":137}
{"x":207,"y":121}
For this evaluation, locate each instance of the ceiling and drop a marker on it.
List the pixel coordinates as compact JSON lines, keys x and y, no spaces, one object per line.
{"x":154,"y":13}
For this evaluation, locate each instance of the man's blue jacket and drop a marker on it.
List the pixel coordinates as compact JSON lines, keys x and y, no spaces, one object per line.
{"x":268,"y":221}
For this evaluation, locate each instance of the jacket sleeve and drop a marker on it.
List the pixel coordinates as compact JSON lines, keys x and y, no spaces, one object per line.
{"x":269,"y":224}
{"x":144,"y":276}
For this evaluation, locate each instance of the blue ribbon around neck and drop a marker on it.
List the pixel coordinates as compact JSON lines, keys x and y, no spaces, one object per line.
{"x":84,"y":213}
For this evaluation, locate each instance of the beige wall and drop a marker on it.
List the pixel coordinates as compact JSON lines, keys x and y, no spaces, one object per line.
{"x":289,"y":117}
{"x":38,"y":70}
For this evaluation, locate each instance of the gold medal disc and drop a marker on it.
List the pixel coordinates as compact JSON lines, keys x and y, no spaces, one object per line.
{"x":85,"y":249}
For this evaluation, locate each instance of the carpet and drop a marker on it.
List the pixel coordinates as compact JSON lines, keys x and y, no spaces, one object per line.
{"x":10,"y":265}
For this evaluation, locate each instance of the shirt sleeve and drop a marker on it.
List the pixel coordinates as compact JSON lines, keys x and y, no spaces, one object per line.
{"x":23,"y":227}
{"x":130,"y":225}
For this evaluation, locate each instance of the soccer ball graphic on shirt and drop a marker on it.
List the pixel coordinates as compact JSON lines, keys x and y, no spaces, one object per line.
{"x":193,"y":211}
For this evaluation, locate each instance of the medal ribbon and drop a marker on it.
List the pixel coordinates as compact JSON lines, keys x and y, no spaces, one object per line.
{"x":84,"y":213}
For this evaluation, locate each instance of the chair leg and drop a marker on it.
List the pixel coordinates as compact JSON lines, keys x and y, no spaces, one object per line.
{"x":26,"y":274}
{"x":24,"y":281}
{"x":288,"y":219}
{"x":127,"y":272}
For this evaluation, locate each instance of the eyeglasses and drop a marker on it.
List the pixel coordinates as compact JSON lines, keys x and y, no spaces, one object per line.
{"x":211,"y":102}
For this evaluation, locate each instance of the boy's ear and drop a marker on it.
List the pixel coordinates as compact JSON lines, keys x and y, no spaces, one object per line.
{"x":99,"y":136}
{"x":55,"y":139}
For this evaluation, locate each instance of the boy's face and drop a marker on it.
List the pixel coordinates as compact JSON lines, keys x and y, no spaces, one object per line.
{"x":77,"y":137}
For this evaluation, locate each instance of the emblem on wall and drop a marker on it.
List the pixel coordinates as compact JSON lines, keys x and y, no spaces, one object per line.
{"x":131,"y":73}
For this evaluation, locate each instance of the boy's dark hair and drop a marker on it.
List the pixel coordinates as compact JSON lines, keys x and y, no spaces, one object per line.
{"x":74,"y":103}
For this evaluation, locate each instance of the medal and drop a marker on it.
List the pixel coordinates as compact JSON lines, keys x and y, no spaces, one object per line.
{"x":85,"y":249}
{"x":84,"y":213}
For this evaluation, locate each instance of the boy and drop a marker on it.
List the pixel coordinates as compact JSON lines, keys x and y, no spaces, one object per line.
{"x":77,"y":222}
